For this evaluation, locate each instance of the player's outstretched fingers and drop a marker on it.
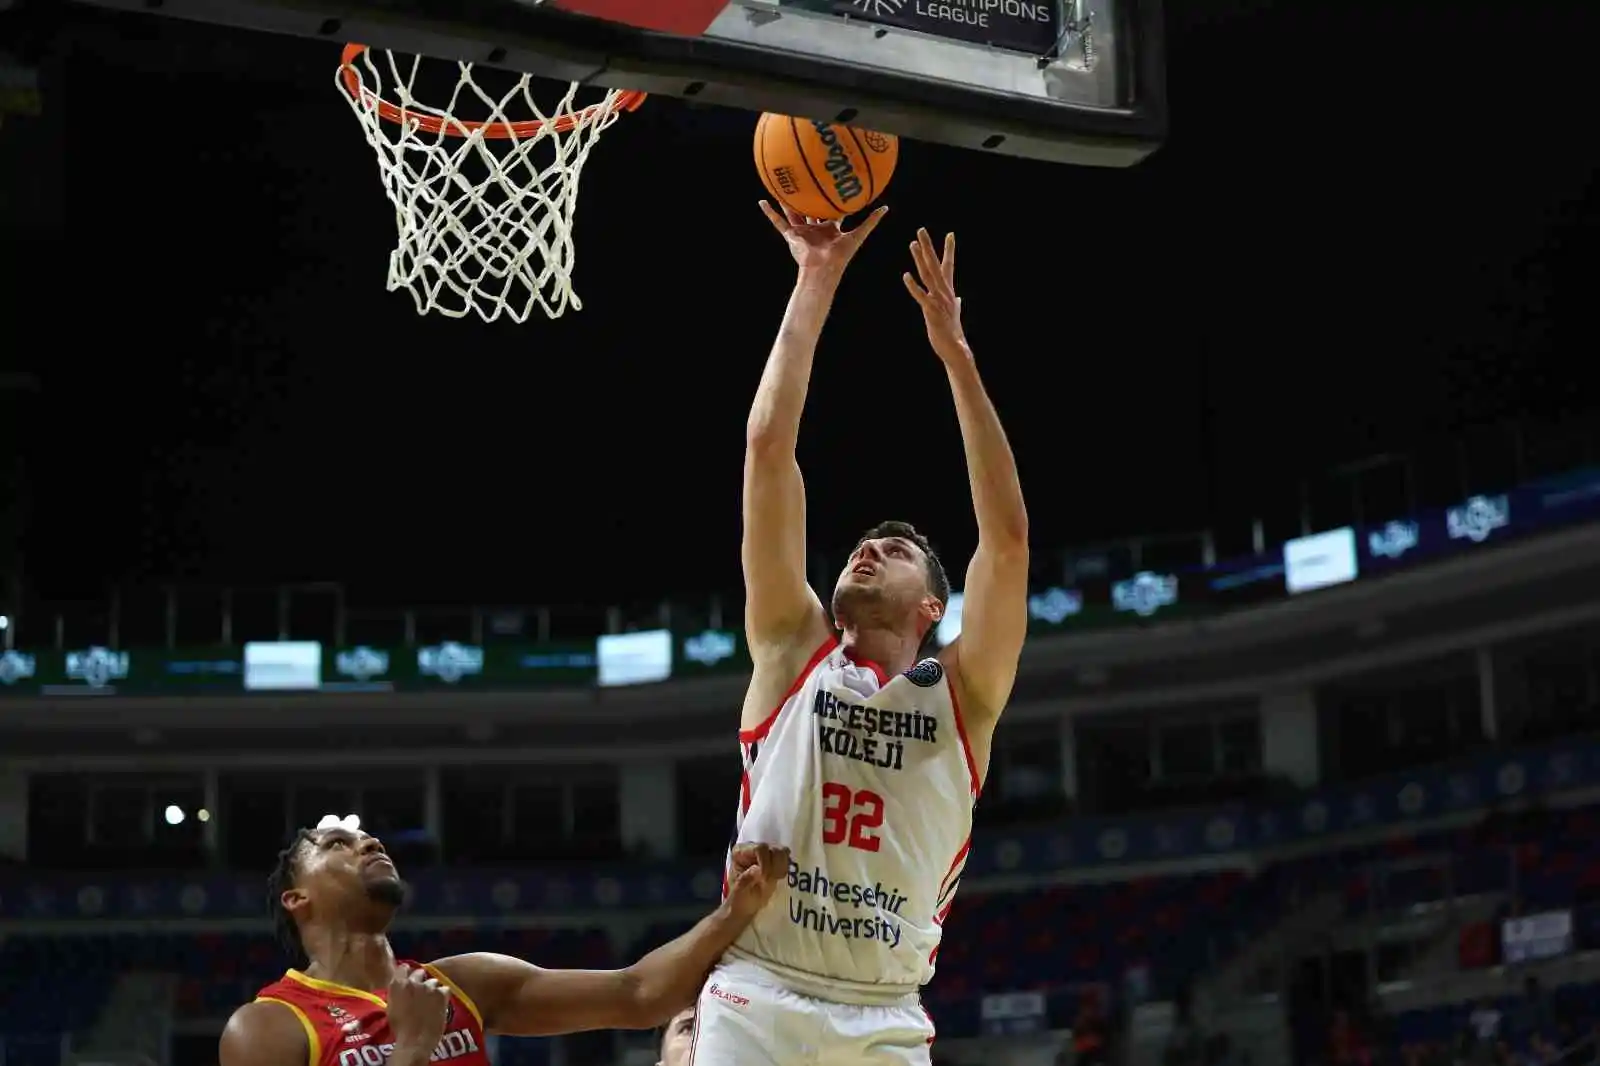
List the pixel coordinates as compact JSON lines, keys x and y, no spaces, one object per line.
{"x":777,"y":220}
{"x":928,"y":265}
{"x":868,"y":224}
{"x":921,"y":261}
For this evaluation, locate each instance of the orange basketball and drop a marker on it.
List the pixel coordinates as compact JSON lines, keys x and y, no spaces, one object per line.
{"x":821,"y":169}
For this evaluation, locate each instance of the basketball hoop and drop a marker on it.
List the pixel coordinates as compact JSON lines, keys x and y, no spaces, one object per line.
{"x":483,"y":207}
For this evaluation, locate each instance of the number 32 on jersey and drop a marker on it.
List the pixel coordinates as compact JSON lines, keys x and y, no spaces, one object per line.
{"x":851,"y":816}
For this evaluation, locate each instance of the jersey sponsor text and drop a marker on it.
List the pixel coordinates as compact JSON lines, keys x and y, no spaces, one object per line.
{"x":874,"y":898}
{"x":873,"y":735}
{"x":453,"y":1045}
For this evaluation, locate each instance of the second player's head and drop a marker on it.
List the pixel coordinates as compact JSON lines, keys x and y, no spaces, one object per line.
{"x":334,"y":877}
{"x":893,"y":580}
{"x":677,"y":1039}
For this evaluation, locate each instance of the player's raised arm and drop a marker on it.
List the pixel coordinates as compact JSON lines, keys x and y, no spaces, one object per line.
{"x":780,"y":607}
{"x":994,"y":608}
{"x":520,"y":999}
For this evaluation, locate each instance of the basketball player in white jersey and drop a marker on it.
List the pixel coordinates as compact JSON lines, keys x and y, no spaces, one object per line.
{"x":862,"y":755}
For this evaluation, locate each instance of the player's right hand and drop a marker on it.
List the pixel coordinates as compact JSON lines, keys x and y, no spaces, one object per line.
{"x":418,"y":1009}
{"x":817,"y":246}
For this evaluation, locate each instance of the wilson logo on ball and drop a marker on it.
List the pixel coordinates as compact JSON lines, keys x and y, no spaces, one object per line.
{"x":843,"y":172}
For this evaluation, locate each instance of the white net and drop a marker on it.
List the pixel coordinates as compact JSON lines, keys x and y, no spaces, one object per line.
{"x":483,"y":205}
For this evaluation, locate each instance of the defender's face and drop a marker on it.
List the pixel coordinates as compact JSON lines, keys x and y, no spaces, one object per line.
{"x":344,"y":864}
{"x":679,"y":1040}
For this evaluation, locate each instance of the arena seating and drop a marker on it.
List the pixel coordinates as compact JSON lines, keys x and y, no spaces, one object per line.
{"x":1047,"y":938}
{"x":1051,"y":939}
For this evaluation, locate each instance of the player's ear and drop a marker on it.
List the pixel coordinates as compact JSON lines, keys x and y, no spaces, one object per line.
{"x":933,"y":609}
{"x":294,"y":900}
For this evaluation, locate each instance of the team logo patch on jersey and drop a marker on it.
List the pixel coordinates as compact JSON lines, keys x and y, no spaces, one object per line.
{"x":926,"y":674}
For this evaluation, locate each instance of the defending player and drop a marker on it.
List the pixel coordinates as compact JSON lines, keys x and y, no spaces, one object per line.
{"x":335,"y":893}
{"x":861,"y":756}
{"x":677,"y":1040}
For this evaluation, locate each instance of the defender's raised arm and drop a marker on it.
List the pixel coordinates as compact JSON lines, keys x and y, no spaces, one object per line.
{"x":780,"y":607}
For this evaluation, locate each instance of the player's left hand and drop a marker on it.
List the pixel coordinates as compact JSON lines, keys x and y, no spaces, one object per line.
{"x":755,"y":872}
{"x":941,"y":307}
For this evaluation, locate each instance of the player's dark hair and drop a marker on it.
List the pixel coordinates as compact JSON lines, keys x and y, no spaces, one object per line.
{"x":279,"y":881}
{"x":938,"y":580}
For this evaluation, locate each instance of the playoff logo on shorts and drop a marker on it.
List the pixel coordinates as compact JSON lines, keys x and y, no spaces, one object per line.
{"x":716,"y":991}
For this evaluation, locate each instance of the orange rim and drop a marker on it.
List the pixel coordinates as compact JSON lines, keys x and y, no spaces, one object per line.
{"x":628,"y":100}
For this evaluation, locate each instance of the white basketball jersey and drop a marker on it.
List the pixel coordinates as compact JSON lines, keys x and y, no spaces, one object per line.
{"x":870,"y":783}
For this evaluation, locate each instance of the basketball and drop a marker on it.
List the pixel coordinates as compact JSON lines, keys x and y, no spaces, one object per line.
{"x":823,"y":170}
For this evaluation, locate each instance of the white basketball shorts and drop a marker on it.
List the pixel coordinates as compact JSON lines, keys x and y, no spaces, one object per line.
{"x":745,"y":1017}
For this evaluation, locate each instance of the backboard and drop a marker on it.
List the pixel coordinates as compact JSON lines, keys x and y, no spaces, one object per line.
{"x":1070,"y":81}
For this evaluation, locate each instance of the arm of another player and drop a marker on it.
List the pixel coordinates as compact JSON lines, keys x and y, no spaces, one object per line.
{"x":520,"y":999}
{"x":780,"y":607}
{"x":994,"y":606}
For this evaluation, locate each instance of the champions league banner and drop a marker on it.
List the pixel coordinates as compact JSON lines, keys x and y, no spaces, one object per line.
{"x":1032,"y":26}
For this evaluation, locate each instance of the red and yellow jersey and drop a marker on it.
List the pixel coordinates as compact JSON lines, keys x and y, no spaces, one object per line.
{"x":350,"y":1027}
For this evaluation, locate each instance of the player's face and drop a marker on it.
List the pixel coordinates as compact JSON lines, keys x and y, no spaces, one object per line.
{"x":884,"y":581}
{"x":340,"y":866}
{"x":679,"y":1039}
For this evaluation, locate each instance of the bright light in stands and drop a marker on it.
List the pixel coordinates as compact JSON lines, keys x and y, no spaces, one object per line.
{"x":203,"y":814}
{"x":5,"y":622}
{"x":175,"y":815}
{"x":949,"y":627}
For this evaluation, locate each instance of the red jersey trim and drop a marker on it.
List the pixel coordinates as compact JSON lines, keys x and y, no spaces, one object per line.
{"x":961,"y":731}
{"x":694,"y":1037}
{"x":313,"y":1041}
{"x":759,"y":733}
{"x":877,"y":671}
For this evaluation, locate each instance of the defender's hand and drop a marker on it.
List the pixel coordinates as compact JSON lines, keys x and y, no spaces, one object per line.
{"x":757,"y":871}
{"x":817,"y":246}
{"x":941,"y":307}
{"x":418,"y":1009}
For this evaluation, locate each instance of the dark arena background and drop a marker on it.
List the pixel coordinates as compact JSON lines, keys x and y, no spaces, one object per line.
{"x":1301,"y":766}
